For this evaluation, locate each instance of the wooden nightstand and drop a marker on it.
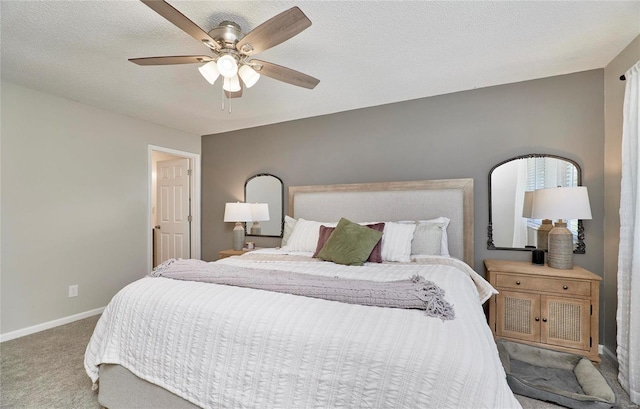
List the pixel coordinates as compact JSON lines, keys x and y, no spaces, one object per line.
{"x":232,"y":252}
{"x":545,"y":307}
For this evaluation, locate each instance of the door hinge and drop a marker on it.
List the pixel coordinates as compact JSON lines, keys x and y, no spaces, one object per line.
{"x":189,"y":172}
{"x":591,"y":312}
{"x":590,"y":342}
{"x":189,"y":219}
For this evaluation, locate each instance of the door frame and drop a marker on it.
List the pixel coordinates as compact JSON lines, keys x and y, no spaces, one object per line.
{"x":195,"y":200}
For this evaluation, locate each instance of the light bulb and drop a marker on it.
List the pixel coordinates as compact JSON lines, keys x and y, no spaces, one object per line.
{"x":249,"y":76}
{"x":231,"y":84}
{"x":227,"y":66}
{"x":210,"y":71}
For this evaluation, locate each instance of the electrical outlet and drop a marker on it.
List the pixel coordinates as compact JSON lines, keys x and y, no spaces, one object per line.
{"x":73,"y":290}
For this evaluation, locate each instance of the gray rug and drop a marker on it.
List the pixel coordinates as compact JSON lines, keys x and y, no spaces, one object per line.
{"x":45,"y":370}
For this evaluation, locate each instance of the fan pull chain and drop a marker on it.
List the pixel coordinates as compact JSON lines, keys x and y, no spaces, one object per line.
{"x":223,"y":99}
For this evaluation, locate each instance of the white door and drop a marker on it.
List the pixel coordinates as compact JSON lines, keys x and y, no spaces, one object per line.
{"x":172,"y":233}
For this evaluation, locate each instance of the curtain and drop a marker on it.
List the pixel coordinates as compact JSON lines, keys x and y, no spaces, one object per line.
{"x":628,"y":314}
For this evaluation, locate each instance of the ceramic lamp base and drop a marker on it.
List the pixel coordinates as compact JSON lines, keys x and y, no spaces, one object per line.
{"x":560,"y":247}
{"x":256,"y":229}
{"x":238,"y":236}
{"x":543,"y":234}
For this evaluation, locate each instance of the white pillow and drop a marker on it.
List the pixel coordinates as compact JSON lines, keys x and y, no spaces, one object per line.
{"x":289,"y":224}
{"x":444,"y":245}
{"x":396,"y":241}
{"x":305,"y":235}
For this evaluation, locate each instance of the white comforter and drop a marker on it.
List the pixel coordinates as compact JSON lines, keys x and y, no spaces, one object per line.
{"x":231,"y":347}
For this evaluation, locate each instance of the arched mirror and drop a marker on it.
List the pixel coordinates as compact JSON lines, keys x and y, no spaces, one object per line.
{"x":266,"y":188}
{"x":509,"y":228}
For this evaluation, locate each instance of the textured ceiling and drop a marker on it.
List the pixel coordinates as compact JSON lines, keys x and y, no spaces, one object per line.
{"x":364,"y":53}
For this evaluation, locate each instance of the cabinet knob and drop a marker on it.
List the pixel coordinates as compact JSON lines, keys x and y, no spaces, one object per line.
{"x":544,"y":320}
{"x":517,"y":282}
{"x":565,"y":287}
{"x":537,"y":318}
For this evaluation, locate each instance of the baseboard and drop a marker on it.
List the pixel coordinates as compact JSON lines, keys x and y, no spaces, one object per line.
{"x":606,"y":351}
{"x":48,"y":325}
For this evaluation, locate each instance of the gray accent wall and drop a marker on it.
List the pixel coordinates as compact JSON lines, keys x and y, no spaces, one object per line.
{"x":613,"y":116}
{"x":456,"y":135}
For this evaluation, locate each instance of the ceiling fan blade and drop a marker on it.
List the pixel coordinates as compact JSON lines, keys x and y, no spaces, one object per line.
{"x":182,"y":22}
{"x":274,"y":31}
{"x":178,"y":59}
{"x":284,"y":74}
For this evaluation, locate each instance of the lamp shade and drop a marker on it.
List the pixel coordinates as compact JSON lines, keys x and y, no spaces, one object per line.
{"x":561,"y":203}
{"x":210,"y":71}
{"x":231,"y":84}
{"x":227,"y":66}
{"x":260,"y":212}
{"x":237,"y":212}
{"x":249,"y":76}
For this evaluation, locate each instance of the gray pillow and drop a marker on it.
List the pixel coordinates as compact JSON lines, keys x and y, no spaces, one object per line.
{"x":427,"y":239}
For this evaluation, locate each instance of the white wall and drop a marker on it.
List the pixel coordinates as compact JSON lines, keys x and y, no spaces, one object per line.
{"x":74,"y":204}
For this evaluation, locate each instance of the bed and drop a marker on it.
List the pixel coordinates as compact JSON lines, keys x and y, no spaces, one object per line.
{"x":172,"y":343}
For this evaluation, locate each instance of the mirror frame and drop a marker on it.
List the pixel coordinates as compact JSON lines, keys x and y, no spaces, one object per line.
{"x":580,"y":245}
{"x":281,"y":204}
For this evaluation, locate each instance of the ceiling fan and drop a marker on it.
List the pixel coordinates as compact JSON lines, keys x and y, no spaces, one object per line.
{"x":232,"y":49}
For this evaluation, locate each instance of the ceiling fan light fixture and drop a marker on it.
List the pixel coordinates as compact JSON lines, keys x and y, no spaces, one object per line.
{"x":249,"y":76}
{"x":232,"y":50}
{"x":231,"y":84}
{"x":210,"y":72}
{"x":227,"y":66}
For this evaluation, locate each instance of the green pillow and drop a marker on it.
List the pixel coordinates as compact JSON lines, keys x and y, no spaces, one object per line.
{"x":350,"y":244}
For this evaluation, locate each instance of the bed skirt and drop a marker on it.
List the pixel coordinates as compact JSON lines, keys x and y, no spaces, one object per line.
{"x":121,"y":389}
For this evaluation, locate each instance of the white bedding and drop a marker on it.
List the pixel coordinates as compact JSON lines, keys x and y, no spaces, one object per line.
{"x":231,"y":347}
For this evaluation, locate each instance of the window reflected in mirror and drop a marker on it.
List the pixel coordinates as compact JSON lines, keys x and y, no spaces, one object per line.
{"x":509,"y":224}
{"x":266,"y":189}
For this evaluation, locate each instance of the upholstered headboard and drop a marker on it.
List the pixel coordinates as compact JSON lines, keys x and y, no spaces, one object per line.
{"x":393,"y":201}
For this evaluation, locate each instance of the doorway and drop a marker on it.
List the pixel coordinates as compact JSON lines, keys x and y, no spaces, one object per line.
{"x":180,"y":238}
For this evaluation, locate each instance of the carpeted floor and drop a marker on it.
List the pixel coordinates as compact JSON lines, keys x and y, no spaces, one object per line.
{"x":45,"y":370}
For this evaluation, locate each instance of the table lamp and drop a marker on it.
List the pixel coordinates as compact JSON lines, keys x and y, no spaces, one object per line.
{"x":561,"y":203}
{"x":238,"y":213}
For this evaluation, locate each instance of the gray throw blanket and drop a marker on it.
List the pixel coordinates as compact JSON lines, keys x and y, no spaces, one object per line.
{"x":413,"y":293}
